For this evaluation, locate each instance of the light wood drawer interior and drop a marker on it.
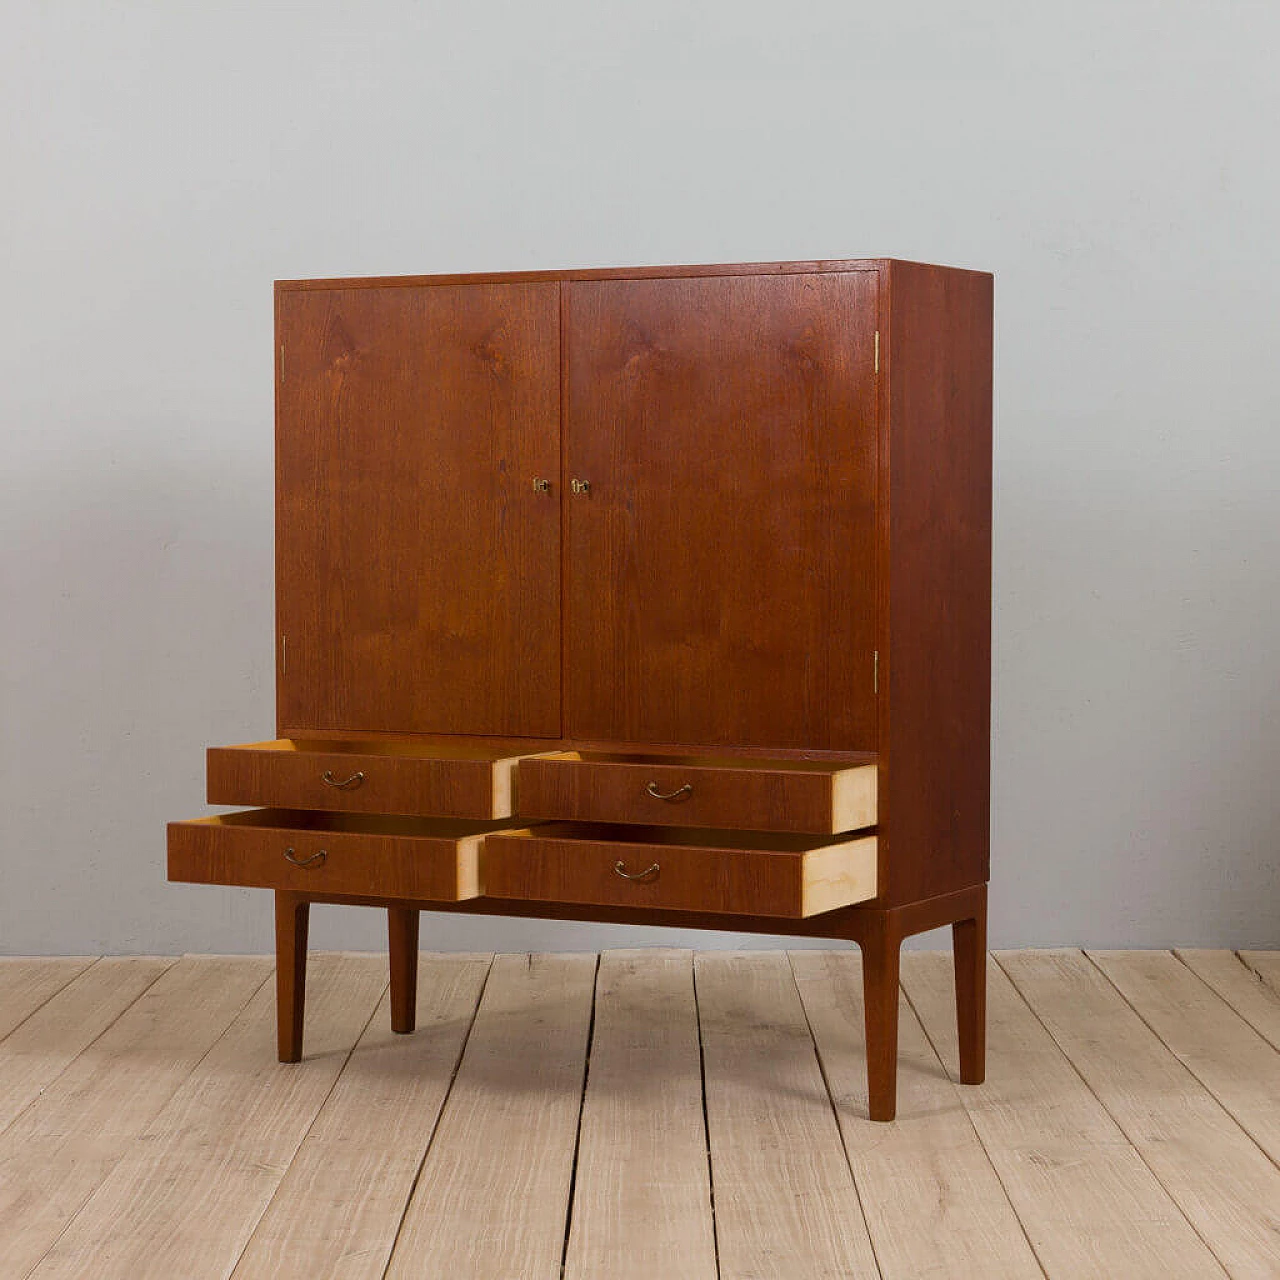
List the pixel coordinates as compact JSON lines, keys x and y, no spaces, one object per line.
{"x":699,"y":791}
{"x":738,"y":872}
{"x":433,"y":859}
{"x":364,"y":777}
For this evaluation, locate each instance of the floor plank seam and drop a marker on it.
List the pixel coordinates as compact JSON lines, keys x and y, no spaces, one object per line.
{"x":435,"y":1127}
{"x":977,"y":1133}
{"x":51,"y":996}
{"x":1257,"y":973}
{"x":1253,"y":973}
{"x":706,"y":1120}
{"x":66,"y":1066}
{"x":582,"y":1103}
{"x":1178,"y":1057}
{"x":1248,"y":968}
{"x":835,"y":1115}
{"x":1269,"y":983}
{"x":324,"y":1102}
{"x":1138,"y":1151}
{"x":1204,"y":982}
{"x":124,"y":1151}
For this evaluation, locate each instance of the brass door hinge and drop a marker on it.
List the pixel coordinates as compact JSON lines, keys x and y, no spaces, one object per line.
{"x":877,"y":354}
{"x":282,"y":361}
{"x":875,"y":673}
{"x":284,"y":654}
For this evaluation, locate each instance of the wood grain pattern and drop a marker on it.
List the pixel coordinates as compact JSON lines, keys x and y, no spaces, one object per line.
{"x":1242,"y":987}
{"x":718,"y":576}
{"x":1089,"y":1204}
{"x":417,"y":570}
{"x":338,"y":1209}
{"x":935,"y":582}
{"x":364,"y":854}
{"x":1211,"y":1040}
{"x":26,"y":984}
{"x":204,"y":1170}
{"x":500,"y":1166}
{"x":42,"y":1046}
{"x":371,"y":777}
{"x":1162,"y":1109}
{"x":64,"y":1145}
{"x":933,"y":1202}
{"x":642,"y":1193}
{"x":774,"y":874}
{"x":785,"y":1200}
{"x":755,"y":795}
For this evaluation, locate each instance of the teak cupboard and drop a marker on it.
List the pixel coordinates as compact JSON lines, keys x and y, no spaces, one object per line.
{"x":658,"y":596}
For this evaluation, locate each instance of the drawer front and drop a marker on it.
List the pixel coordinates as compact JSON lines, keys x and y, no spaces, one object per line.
{"x":679,"y":870}
{"x":330,"y":853}
{"x":363,"y":778}
{"x":740,"y":795}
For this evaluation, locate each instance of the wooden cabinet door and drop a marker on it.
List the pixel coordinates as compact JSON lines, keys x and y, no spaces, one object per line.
{"x":418,"y":579}
{"x":720,"y":569}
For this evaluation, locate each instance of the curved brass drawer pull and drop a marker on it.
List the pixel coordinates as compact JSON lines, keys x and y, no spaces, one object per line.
{"x":649,"y":874}
{"x":346,"y":784}
{"x":314,"y":861}
{"x":680,"y":793}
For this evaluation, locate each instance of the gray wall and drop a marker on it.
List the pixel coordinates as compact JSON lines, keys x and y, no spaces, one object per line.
{"x":1114,"y":165}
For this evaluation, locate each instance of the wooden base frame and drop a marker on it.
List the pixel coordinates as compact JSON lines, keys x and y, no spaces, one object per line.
{"x":878,"y":931}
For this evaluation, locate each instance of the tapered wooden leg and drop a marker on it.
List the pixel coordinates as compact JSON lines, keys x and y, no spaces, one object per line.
{"x":292,"y":916}
{"x":969,"y":945}
{"x":880,"y":964}
{"x":402,"y":934}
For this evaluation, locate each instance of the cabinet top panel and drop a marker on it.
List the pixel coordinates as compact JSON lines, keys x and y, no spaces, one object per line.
{"x":609,"y":273}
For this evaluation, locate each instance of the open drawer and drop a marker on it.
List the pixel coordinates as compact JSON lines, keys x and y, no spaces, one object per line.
{"x":364,"y":777}
{"x":697,"y":791}
{"x":433,"y":859}
{"x":737,"y":872}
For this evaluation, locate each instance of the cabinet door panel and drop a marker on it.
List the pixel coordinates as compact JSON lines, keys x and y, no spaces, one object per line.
{"x":418,"y":579}
{"x":720,"y":570}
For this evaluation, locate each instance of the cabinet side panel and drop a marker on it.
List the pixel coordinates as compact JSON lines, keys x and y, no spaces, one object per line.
{"x":936,"y":772}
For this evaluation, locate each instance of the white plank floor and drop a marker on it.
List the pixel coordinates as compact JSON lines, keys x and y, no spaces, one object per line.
{"x":644,"y":1115}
